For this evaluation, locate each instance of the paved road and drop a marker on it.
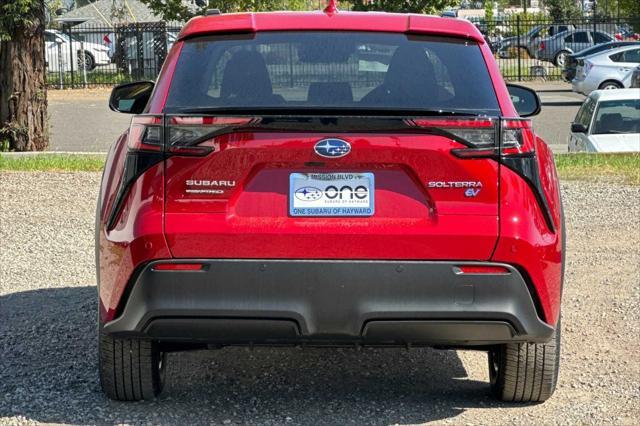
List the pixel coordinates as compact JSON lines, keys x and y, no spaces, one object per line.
{"x":83,"y":122}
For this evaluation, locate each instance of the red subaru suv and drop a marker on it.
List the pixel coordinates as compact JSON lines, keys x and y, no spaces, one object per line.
{"x":329,"y":179}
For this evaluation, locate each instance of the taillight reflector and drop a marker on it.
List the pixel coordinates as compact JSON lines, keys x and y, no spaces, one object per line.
{"x":178,"y":267}
{"x":480,"y":270}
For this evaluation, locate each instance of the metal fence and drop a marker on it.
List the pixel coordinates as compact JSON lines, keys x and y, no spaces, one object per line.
{"x":89,"y":56}
{"x":527,"y":49}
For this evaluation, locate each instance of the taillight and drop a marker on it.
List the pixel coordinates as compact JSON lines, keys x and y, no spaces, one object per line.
{"x":542,"y":45}
{"x":145,"y":143}
{"x":517,"y":152}
{"x":587,"y":67}
{"x":145,"y":133}
{"x":517,"y":137}
{"x":479,"y":134}
{"x":187,"y":135}
{"x":514,"y":148}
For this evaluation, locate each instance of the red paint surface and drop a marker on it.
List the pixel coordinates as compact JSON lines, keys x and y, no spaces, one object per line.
{"x":320,"y":21}
{"x":503,"y":223}
{"x":251,"y":219}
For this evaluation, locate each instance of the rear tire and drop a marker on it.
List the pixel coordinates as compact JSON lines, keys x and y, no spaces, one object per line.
{"x":525,"y":372}
{"x":89,"y":61}
{"x":610,"y":85}
{"x":561,"y":58}
{"x":130,"y":369}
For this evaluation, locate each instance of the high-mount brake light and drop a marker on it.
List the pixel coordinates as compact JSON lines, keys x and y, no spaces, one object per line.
{"x":195,"y":136}
{"x":145,"y":133}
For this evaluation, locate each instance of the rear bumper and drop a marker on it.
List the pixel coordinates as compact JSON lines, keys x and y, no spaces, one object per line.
{"x":329,"y":302}
{"x":580,"y":86}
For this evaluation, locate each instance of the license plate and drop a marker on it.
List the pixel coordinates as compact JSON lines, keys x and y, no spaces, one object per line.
{"x":331,"y":194}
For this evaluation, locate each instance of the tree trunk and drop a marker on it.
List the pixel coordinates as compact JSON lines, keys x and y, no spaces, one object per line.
{"x":23,"y":92}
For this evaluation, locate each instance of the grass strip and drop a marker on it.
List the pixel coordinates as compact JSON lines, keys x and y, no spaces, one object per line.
{"x":52,"y":163}
{"x":590,"y":167}
{"x":598,"y":167}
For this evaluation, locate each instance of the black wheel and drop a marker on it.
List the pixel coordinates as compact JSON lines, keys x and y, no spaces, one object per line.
{"x":525,"y":372}
{"x":610,"y":85}
{"x":561,"y":58}
{"x":89,"y":61}
{"x":130,"y":369}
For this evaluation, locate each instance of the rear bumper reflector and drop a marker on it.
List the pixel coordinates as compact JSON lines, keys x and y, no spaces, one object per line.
{"x":178,"y":267}
{"x":480,"y":269}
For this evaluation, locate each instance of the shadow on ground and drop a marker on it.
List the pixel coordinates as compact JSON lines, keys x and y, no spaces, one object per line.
{"x":49,"y":374}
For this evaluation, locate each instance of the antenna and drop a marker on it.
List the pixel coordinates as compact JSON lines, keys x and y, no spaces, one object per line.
{"x":332,"y":7}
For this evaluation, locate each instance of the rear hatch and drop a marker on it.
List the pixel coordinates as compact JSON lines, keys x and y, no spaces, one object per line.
{"x":331,"y":145}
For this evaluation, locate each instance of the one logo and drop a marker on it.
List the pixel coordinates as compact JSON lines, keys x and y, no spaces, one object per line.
{"x":308,"y":193}
{"x":332,"y":148}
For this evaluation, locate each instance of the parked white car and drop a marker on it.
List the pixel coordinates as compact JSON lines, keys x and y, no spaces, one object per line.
{"x":95,"y":54}
{"x":608,"y":121}
{"x":606,"y":70}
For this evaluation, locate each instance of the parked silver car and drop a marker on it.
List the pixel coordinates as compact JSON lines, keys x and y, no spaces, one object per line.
{"x":632,"y":80}
{"x":608,"y":121}
{"x":556,"y":49}
{"x":528,"y":43}
{"x":606,"y":70}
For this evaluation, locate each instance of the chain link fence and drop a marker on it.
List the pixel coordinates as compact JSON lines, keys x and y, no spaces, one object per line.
{"x":90,"y":56}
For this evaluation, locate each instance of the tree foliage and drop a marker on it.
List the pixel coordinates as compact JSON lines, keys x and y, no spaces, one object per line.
{"x":19,"y":15}
{"x":561,"y":10}
{"x":413,"y":6}
{"x":629,"y":9}
{"x":176,"y":10}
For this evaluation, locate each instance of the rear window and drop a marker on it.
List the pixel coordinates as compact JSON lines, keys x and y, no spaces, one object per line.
{"x":331,"y":70}
{"x":620,"y":116}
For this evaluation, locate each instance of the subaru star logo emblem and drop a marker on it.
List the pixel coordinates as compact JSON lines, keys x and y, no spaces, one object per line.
{"x":332,"y":148}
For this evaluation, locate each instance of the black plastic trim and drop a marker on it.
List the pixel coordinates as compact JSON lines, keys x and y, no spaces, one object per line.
{"x":526,"y":165}
{"x":135,"y":164}
{"x":329,"y":302}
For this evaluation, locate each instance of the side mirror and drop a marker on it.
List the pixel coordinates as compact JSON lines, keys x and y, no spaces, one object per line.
{"x":578,"y":128}
{"x":131,"y":98}
{"x":525,"y":100}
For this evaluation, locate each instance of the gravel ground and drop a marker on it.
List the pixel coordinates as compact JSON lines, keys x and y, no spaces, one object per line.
{"x":48,"y":362}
